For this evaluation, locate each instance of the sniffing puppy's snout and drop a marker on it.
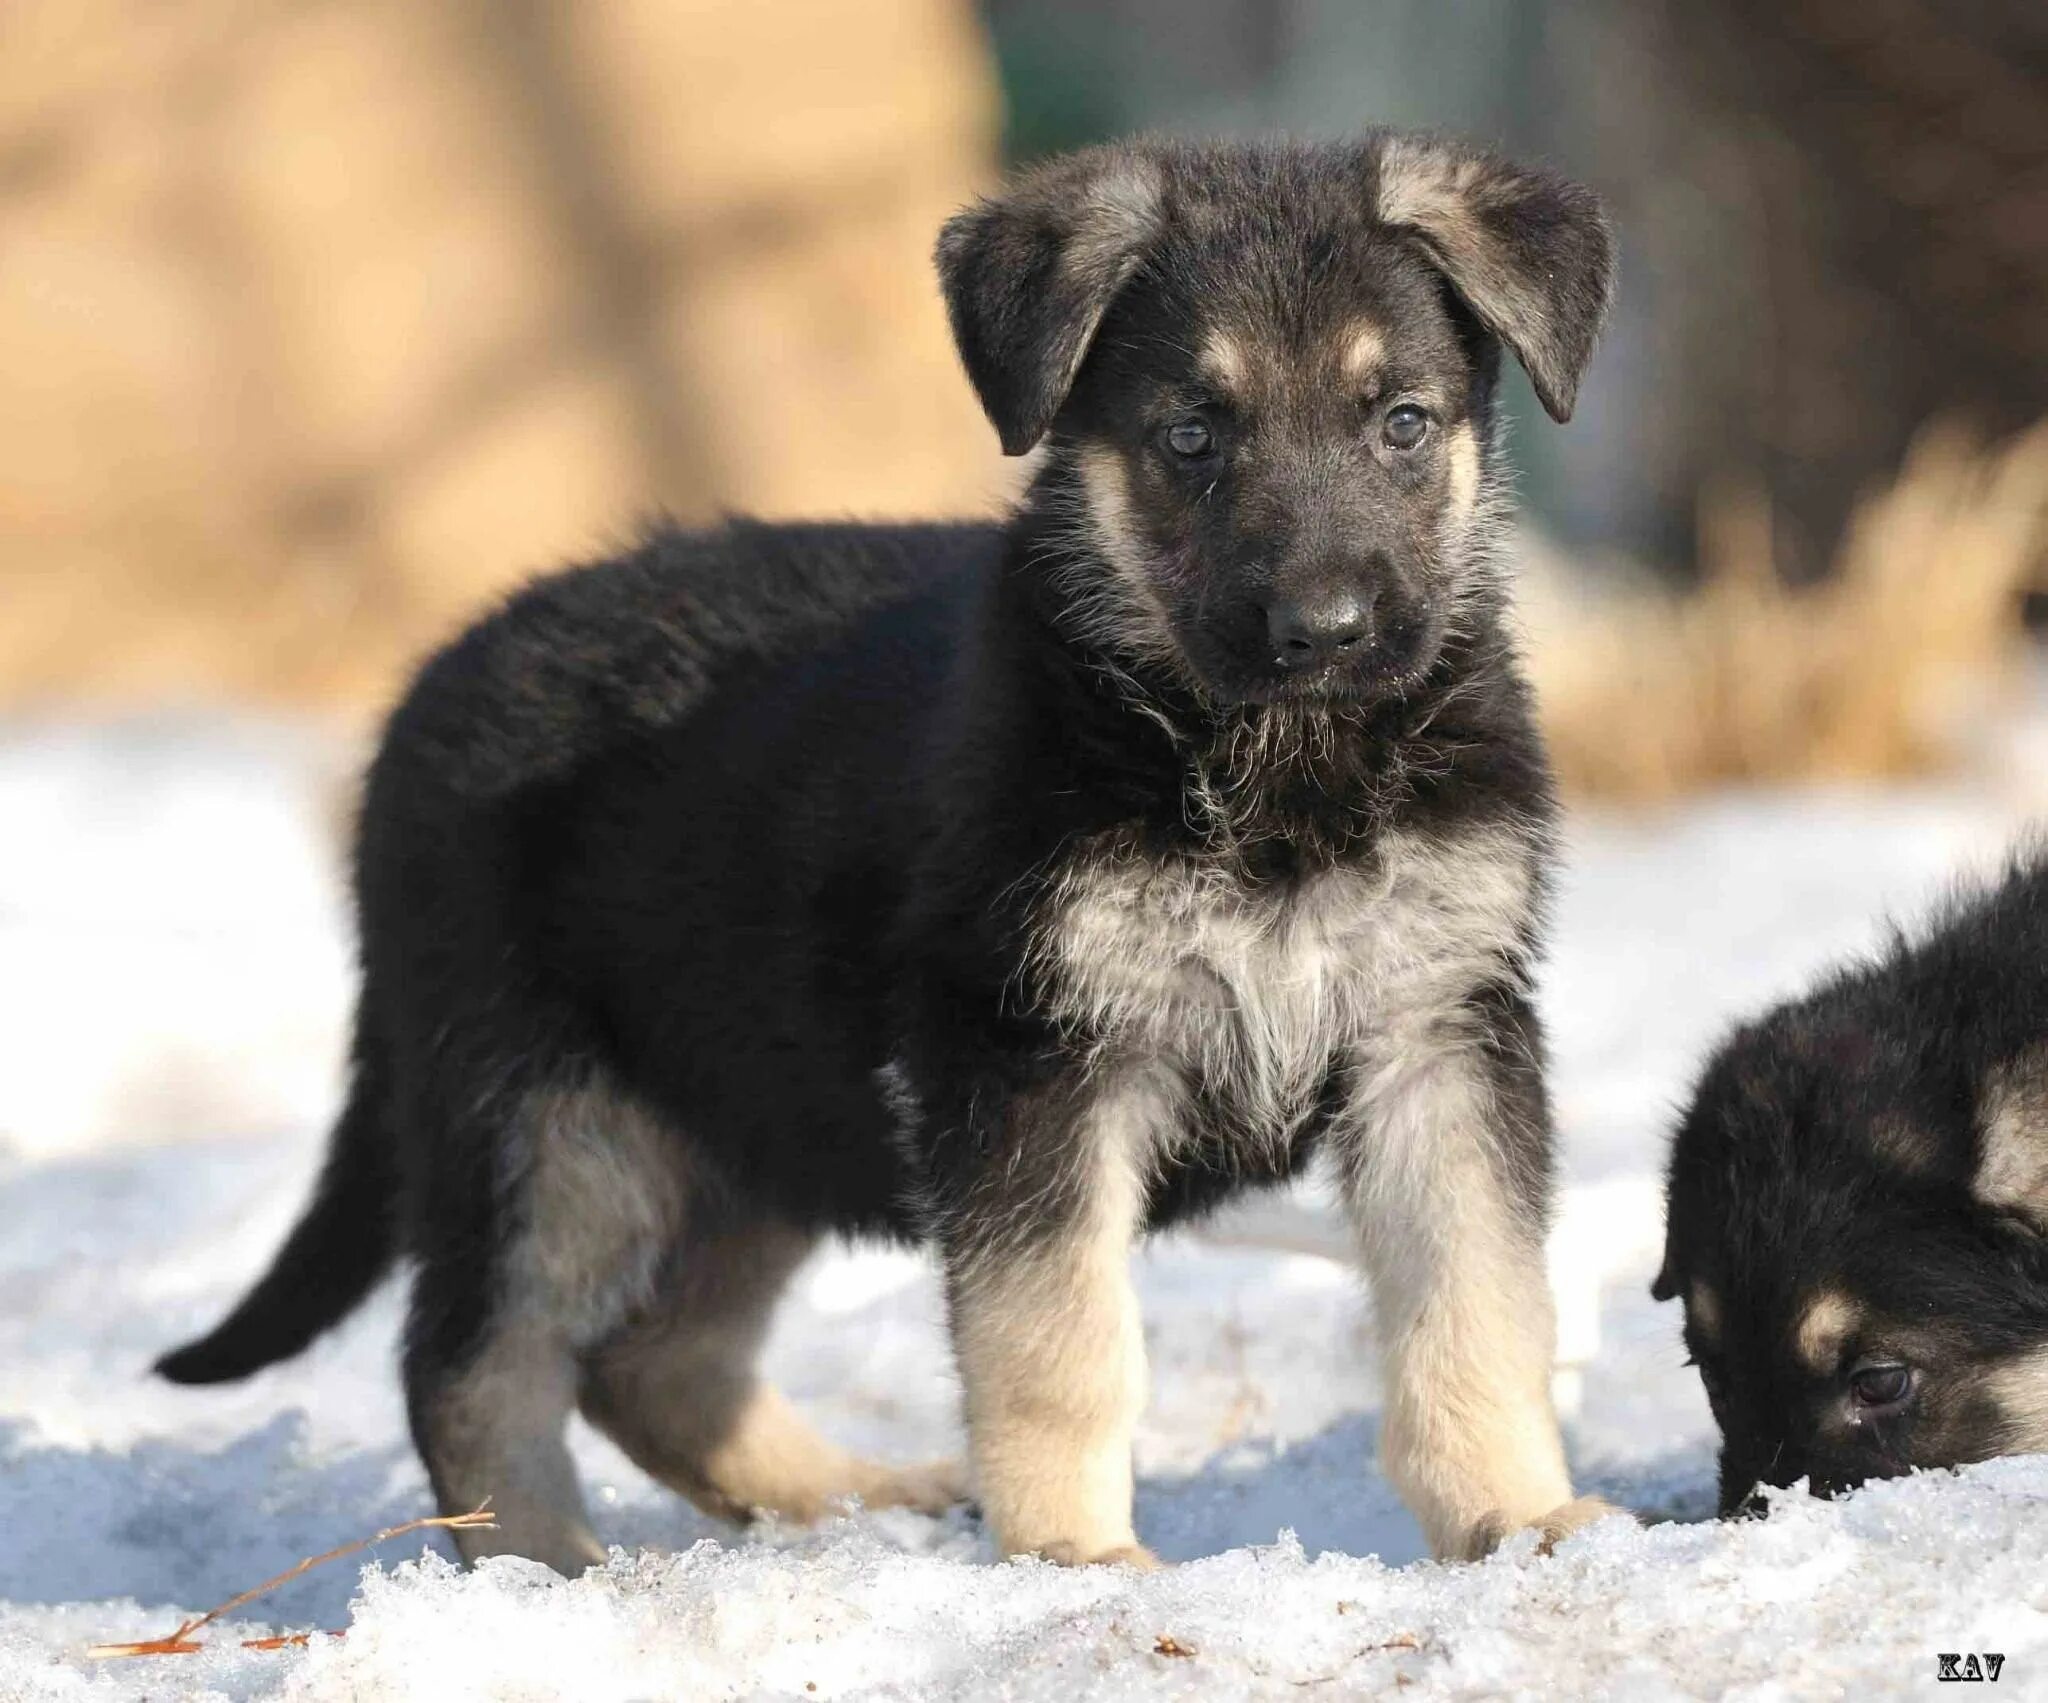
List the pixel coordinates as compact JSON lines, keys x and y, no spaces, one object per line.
{"x":1310,"y":632}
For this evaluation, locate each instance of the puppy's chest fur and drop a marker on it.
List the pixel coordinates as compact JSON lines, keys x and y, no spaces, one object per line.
{"x":1249,"y":995}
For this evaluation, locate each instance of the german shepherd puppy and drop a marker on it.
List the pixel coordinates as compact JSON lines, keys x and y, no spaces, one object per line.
{"x":1013,"y":888}
{"x":1858,"y":1204}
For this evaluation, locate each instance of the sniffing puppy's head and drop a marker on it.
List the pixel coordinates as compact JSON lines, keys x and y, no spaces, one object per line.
{"x":1267,"y":373}
{"x":1858,"y":1230}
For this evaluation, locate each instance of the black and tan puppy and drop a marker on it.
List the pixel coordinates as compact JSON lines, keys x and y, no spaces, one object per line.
{"x":1019,"y":888}
{"x":1859,"y":1210}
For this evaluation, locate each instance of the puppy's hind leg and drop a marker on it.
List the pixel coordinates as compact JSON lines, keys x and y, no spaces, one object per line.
{"x":677,"y":1390}
{"x":518,"y":1281}
{"x":490,"y":1400}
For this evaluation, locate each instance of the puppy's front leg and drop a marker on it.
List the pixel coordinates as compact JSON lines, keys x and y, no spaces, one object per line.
{"x":1046,"y":1330}
{"x":1444,"y":1147}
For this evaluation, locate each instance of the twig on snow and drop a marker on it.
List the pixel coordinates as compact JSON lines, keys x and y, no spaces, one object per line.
{"x":182,"y":1643}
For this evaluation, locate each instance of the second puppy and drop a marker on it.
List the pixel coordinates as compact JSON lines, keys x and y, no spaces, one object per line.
{"x":1858,"y":1210}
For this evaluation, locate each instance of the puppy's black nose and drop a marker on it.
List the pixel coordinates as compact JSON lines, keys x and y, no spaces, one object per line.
{"x":1308,"y":632}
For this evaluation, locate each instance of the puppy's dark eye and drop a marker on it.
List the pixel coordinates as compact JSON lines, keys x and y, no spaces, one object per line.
{"x":1405,"y":426}
{"x":1876,"y":1388}
{"x":1190,"y":439}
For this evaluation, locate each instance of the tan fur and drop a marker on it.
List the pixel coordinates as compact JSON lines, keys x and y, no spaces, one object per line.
{"x":1437,"y":194}
{"x":1461,"y":455}
{"x":1226,"y":363}
{"x":1052,"y":1356}
{"x":2019,"y":1388}
{"x":677,"y":1391}
{"x":1121,"y":209}
{"x":1256,"y":986}
{"x":2012,"y":1174}
{"x":1704,"y":1307}
{"x":1133,"y":615}
{"x":1364,"y":349}
{"x":1825,"y":1324}
{"x":1422,"y":185}
{"x":1469,"y":516}
{"x":1460,"y":1294}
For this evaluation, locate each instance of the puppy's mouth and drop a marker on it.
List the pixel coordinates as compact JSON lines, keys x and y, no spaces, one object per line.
{"x":1384,"y":673}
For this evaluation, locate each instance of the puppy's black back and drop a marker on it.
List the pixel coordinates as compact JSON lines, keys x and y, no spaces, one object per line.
{"x":655,"y":816}
{"x":1790,"y":1100}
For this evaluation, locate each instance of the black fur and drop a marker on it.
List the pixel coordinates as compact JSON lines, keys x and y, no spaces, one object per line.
{"x":760,"y":826}
{"x":1030,"y":275}
{"x":1834,"y":1145}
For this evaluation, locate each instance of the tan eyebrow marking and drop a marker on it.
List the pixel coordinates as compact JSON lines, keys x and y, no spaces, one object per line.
{"x":1225,"y":362}
{"x":1823,"y":1327}
{"x":1365,"y":347}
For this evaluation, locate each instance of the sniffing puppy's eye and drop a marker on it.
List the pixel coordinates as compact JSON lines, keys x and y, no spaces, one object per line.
{"x":1876,"y":1388}
{"x":1405,"y":426}
{"x":1190,"y":439}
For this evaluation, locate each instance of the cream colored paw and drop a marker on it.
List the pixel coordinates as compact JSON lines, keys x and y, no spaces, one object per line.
{"x":930,"y":1488}
{"x":1133,"y":1555}
{"x":1560,"y":1523}
{"x":1553,"y":1528}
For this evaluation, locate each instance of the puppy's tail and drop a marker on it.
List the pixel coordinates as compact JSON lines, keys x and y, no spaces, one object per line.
{"x":344,"y":1241}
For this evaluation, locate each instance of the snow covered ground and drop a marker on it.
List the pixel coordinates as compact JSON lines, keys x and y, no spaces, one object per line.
{"x":173,"y":980}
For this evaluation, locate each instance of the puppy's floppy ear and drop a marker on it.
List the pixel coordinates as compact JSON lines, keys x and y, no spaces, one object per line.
{"x":1029,"y":274}
{"x":1530,"y":252}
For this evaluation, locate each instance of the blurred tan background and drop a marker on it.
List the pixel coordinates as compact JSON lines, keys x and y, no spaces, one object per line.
{"x":321,"y":321}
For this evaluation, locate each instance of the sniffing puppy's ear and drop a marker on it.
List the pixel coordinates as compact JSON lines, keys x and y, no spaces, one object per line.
{"x":1530,"y":252}
{"x":1029,"y":274}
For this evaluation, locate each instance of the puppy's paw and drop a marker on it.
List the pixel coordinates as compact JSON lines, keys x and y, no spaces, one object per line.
{"x":1133,"y":1555}
{"x":1560,"y":1523}
{"x":929,"y":1488}
{"x":1551,"y":1529}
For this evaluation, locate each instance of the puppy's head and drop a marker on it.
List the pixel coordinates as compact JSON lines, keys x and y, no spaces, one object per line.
{"x":1268,"y":373}
{"x":1856,"y":1229}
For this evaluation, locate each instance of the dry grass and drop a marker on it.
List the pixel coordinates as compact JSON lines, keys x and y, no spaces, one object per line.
{"x":1880,"y":670}
{"x":182,"y":1643}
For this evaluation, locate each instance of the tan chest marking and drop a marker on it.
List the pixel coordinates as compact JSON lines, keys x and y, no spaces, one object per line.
{"x":1251,"y":992}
